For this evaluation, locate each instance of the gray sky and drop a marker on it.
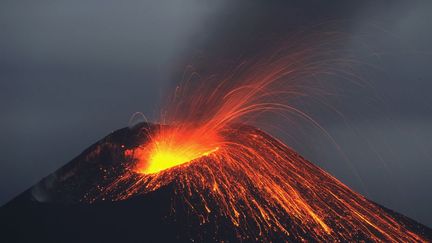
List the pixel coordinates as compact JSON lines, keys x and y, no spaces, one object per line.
{"x":72,"y":71}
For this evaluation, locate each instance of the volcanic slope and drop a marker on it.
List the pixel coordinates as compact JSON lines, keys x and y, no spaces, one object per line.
{"x":253,"y":187}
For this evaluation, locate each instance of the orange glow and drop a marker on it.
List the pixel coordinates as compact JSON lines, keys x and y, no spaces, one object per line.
{"x":263,"y":188}
{"x":223,"y":168}
{"x":172,"y":147}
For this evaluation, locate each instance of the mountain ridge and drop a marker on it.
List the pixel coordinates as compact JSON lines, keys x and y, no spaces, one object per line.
{"x":81,"y":200}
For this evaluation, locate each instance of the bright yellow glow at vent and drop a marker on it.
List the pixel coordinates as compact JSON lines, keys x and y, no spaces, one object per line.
{"x":173,"y":148}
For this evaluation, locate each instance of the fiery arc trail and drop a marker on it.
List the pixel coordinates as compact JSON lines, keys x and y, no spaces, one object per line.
{"x":223,"y":168}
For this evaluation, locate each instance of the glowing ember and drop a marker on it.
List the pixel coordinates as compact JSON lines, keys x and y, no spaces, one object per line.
{"x":263,"y":188}
{"x":172,"y":147}
{"x":266,"y":191}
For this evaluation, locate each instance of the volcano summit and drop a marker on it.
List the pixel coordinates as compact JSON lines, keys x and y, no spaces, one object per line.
{"x":207,"y":175}
{"x":251,"y":188}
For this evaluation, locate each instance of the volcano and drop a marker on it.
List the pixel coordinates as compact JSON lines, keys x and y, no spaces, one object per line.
{"x":251,"y":188}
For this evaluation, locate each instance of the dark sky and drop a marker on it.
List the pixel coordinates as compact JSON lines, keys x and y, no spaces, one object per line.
{"x":73,"y":71}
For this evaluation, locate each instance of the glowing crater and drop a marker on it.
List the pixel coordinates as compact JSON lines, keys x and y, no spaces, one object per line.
{"x":163,"y":159}
{"x":172,"y":148}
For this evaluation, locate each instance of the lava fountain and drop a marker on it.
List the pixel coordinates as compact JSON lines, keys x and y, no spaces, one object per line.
{"x":198,"y":114}
{"x":223,"y":168}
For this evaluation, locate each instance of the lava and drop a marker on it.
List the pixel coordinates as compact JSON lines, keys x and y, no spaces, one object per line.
{"x":171,"y":147}
{"x":265,"y":190}
{"x":223,"y":168}
{"x":198,"y":112}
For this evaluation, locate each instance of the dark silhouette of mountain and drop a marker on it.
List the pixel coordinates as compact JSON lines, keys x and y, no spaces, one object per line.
{"x":85,"y":201}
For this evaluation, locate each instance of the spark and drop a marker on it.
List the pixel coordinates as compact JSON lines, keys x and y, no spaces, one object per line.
{"x":242,"y":174}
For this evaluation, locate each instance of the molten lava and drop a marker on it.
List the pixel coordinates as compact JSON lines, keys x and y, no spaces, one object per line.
{"x":222,"y":169}
{"x":263,"y":189}
{"x":172,"y":147}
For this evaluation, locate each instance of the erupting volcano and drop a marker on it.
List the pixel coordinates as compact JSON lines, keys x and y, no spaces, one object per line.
{"x":205,"y":174}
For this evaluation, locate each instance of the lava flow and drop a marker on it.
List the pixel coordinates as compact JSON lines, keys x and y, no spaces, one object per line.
{"x":223,"y":169}
{"x":171,"y":147}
